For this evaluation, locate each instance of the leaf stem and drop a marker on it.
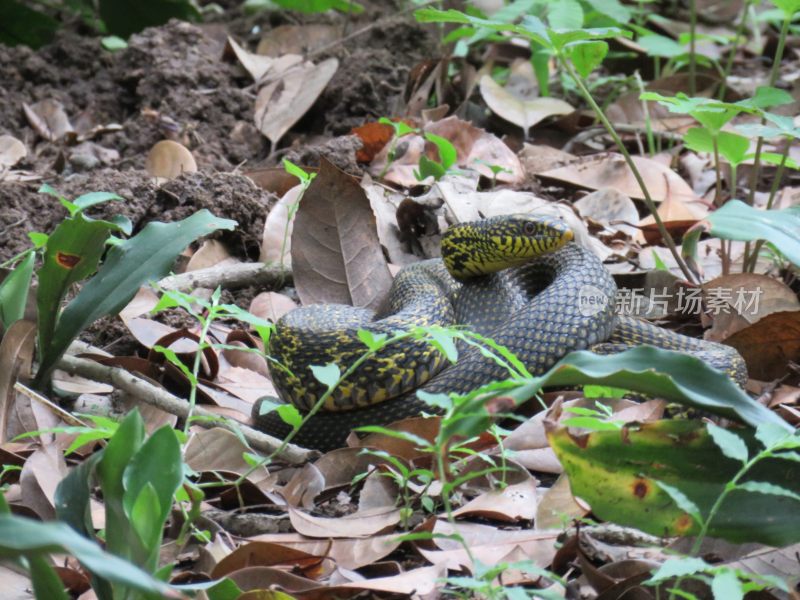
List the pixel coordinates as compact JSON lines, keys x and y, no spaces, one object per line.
{"x":648,"y":200}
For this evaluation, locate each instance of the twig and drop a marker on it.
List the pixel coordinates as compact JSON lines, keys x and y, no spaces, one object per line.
{"x":160,"y":398}
{"x":592,"y":132}
{"x":228,"y":277}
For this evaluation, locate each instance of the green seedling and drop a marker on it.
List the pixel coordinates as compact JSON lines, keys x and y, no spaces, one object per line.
{"x":400,"y":129}
{"x":436,"y":169}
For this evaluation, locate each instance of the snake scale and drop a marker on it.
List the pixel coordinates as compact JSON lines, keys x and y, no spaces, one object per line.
{"x":518,"y":279}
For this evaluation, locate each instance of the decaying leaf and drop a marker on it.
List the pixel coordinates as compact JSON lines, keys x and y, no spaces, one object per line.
{"x":611,"y":208}
{"x":49,"y":119}
{"x":599,"y":171}
{"x":168,"y":160}
{"x":11,"y":151}
{"x":276,"y":243}
{"x":336,"y":255}
{"x":271,"y":305}
{"x":769,"y":345}
{"x":518,"y":102}
{"x":260,"y":67}
{"x":282,"y":101}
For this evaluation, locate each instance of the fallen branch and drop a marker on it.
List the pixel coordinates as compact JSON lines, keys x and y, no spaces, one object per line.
{"x":155,"y":396}
{"x":228,"y":277}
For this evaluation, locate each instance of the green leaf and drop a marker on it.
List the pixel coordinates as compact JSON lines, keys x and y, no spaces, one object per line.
{"x":612,"y":8}
{"x":530,"y":28}
{"x":619,"y":474}
{"x":447,"y":152}
{"x":143,"y":516}
{"x":328,"y":375}
{"x":25,"y":536}
{"x":20,"y":24}
{"x":727,"y":585}
{"x":660,"y":45}
{"x":91,"y":199}
{"x":739,"y":221}
{"x":293,"y":169}
{"x":767,"y":97}
{"x":117,"y":454}
{"x":72,"y":496}
{"x":72,"y":253}
{"x":764,"y":487}
{"x":14,"y":291}
{"x":290,"y":415}
{"x":789,"y":7}
{"x":113,"y":43}
{"x":587,"y":56}
{"x":124,"y":17}
{"x":731,"y":146}
{"x":565,"y":14}
{"x":158,"y":463}
{"x":319,"y":6}
{"x":38,"y":239}
{"x":680,"y":567}
{"x":45,"y":580}
{"x":592,"y":423}
{"x":731,"y":444}
{"x":429,"y":168}
{"x":683,"y":502}
{"x":371,"y":340}
{"x":666,"y":374}
{"x":145,"y":257}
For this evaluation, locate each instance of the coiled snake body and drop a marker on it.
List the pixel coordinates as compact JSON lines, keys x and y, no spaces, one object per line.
{"x":558,"y":297}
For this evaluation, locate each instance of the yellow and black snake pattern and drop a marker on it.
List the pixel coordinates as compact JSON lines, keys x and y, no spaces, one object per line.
{"x":516,"y":279}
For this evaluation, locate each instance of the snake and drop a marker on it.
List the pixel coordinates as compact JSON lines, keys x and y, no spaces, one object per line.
{"x":519,"y":280}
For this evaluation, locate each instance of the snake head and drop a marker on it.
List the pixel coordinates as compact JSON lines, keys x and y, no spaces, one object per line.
{"x":481,"y":247}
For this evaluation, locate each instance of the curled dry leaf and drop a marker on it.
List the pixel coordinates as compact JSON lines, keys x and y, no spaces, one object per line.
{"x":260,"y":67}
{"x":168,"y":160}
{"x":16,"y":357}
{"x":287,"y":97}
{"x":476,"y":149}
{"x":744,"y":299}
{"x":512,"y":503}
{"x":266,"y":554}
{"x":385,"y":203}
{"x":49,"y":119}
{"x":557,"y":505}
{"x":336,"y":256}
{"x":600,"y":171}
{"x":11,"y":151}
{"x":276,"y":242}
{"x":40,"y":476}
{"x":211,"y":253}
{"x":677,"y":215}
{"x":518,"y":103}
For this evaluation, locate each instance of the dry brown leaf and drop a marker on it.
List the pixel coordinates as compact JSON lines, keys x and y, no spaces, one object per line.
{"x":385,"y":203}
{"x":15,"y":586}
{"x":374,"y":136}
{"x":271,"y":306}
{"x":742,"y":299}
{"x":218,"y":449}
{"x":276,"y":242}
{"x":168,"y":160}
{"x":148,"y":333}
{"x":245,"y":384}
{"x":511,"y":504}
{"x":16,"y":357}
{"x":210,"y":254}
{"x":557,"y":506}
{"x":303,"y":487}
{"x":425,"y":427}
{"x":336,"y":255}
{"x":40,"y":476}
{"x":348,"y":553}
{"x":599,"y":171}
{"x":142,"y":303}
{"x":611,"y":208}
{"x":11,"y":151}
{"x":778,"y":562}
{"x":359,"y":524}
{"x":283,"y":100}
{"x":265,"y":554}
{"x":769,"y":345}
{"x":74,"y":384}
{"x":49,"y":119}
{"x":257,"y":65}
{"x":296,"y":39}
{"x":519,"y":104}
{"x":677,"y":215}
{"x":536,"y":158}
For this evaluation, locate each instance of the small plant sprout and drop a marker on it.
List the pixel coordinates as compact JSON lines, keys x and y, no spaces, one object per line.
{"x":400,"y":129}
{"x":436,"y":169}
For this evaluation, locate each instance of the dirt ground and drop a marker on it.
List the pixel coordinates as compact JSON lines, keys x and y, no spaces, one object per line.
{"x":172,"y":82}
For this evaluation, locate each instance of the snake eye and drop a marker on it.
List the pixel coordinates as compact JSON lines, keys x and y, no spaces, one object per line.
{"x":529,"y":228}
